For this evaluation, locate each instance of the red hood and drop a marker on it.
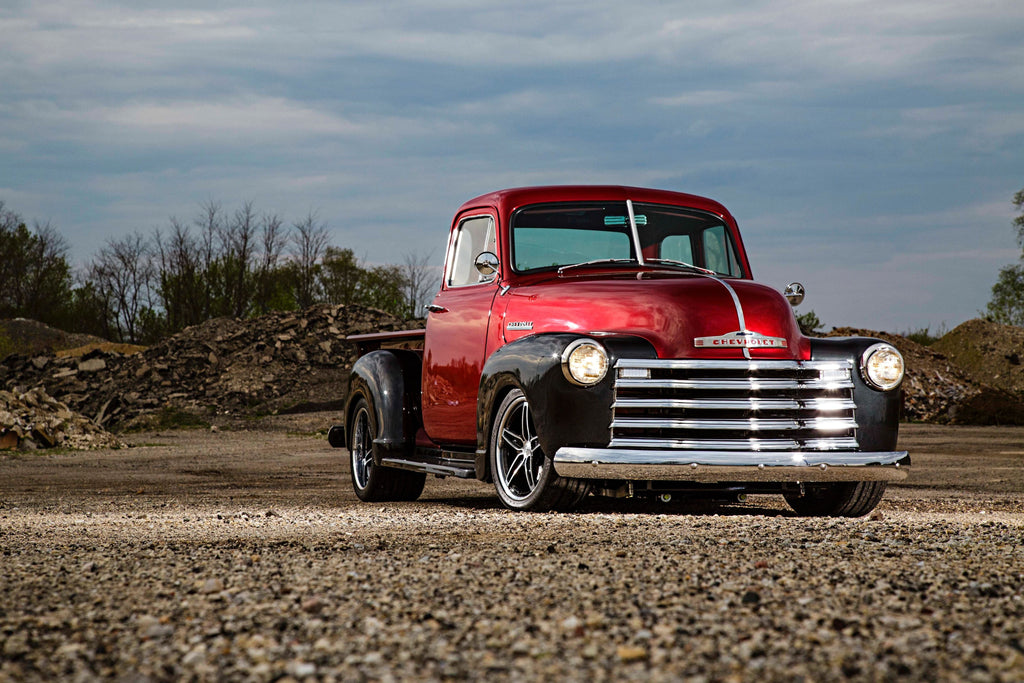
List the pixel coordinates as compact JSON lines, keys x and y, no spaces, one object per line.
{"x":669,"y":312}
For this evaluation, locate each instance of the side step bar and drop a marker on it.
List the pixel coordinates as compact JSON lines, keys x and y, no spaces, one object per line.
{"x":442,"y":467}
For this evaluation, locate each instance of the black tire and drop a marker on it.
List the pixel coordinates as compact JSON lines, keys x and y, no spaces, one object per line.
{"x":524,"y":476}
{"x":372,"y":483}
{"x":846,"y":499}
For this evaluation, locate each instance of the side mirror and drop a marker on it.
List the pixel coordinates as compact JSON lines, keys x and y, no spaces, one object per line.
{"x":487,"y":263}
{"x":794,"y":293}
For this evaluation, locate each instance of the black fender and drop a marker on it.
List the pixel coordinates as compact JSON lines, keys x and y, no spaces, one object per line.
{"x":878,"y":412}
{"x":564,"y":413}
{"x":391,"y":380}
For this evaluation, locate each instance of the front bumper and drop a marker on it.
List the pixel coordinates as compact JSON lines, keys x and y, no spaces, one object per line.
{"x":729,"y":466}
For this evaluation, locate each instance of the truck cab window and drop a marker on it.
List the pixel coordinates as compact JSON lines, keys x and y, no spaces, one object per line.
{"x":476,"y":235}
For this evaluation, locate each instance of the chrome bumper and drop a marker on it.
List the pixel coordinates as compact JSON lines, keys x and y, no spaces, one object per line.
{"x":730,"y":466}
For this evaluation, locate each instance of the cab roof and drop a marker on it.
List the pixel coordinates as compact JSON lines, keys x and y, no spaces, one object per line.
{"x":507,"y":201}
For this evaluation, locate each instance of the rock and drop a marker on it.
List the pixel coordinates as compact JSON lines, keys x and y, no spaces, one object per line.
{"x":92,"y":365}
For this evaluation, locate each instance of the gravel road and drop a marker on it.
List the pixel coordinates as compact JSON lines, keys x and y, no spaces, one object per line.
{"x":244,"y":555}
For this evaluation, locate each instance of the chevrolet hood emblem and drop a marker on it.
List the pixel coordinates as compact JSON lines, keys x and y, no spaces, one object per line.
{"x":741,"y":339}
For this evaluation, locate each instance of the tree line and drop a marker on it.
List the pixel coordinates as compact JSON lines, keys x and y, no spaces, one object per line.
{"x":141,"y":288}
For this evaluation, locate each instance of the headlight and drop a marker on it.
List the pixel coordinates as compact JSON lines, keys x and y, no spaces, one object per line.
{"x":882,"y":366}
{"x":584,"y":362}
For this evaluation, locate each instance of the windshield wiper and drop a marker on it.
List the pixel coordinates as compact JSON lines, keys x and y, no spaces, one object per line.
{"x":596,"y":262}
{"x":680,"y":264}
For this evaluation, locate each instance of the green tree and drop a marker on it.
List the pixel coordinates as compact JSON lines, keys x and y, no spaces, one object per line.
{"x":810,"y":324}
{"x":35,"y":279}
{"x":1007,"y":303}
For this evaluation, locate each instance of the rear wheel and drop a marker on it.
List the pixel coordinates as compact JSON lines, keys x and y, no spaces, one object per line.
{"x":846,"y":499}
{"x":372,"y":482}
{"x":524,"y":476}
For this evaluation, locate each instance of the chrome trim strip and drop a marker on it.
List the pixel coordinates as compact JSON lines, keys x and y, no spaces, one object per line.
{"x":757,"y":445}
{"x":751,"y":404}
{"x":716,"y":466}
{"x":744,"y":383}
{"x":749,"y":424}
{"x":696,"y":364}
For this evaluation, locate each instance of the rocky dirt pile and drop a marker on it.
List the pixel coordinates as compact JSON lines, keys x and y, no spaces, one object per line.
{"x":281,"y":362}
{"x":936,"y":389}
{"x":34,"y":420}
{"x":989,"y":352}
{"x":298,"y":361}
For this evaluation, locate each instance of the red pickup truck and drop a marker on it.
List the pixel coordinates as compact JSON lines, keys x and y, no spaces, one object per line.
{"x":610,"y":340}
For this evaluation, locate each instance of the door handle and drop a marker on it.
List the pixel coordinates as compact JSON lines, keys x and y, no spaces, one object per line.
{"x":434,"y":308}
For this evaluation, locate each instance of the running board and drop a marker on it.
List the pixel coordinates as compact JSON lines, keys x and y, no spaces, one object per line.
{"x":463,"y":469}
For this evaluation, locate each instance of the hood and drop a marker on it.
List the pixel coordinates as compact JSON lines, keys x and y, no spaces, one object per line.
{"x":682,"y":316}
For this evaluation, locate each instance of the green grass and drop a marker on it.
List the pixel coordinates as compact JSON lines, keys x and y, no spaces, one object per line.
{"x":924,"y":335}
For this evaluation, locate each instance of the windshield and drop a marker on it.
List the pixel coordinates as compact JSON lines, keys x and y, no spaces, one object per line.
{"x":549,"y":236}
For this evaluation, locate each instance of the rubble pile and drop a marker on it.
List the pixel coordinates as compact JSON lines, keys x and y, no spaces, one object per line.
{"x":280,"y":362}
{"x":938,"y":390}
{"x":34,"y":420}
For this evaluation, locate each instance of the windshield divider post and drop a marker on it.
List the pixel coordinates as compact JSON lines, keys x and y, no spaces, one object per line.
{"x":636,"y":233}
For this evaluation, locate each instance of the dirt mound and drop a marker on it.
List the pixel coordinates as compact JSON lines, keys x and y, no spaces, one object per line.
{"x":36,"y":420}
{"x":29,"y":337}
{"x":989,"y":352}
{"x":938,"y":390}
{"x":281,"y":362}
{"x":100,"y":346}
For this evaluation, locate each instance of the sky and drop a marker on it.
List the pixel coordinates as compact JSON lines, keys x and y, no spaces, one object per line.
{"x":868,"y":149}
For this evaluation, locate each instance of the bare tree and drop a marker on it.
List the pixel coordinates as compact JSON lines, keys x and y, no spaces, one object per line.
{"x":310,"y":241}
{"x":179,"y":274}
{"x":211,"y":284}
{"x":421,"y":280}
{"x":238,"y":247}
{"x":123,"y":274}
{"x":273,"y":240}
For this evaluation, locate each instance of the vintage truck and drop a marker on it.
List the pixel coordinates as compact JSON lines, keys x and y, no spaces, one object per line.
{"x":610,"y":340}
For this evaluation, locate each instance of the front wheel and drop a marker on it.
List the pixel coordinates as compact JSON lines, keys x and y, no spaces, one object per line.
{"x":524,"y":477}
{"x":846,"y":499}
{"x":373,"y":483}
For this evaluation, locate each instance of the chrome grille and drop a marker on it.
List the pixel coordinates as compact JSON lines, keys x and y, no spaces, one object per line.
{"x":734,"y":405}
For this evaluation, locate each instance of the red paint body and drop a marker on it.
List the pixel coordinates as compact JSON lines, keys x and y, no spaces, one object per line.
{"x":669,"y":309}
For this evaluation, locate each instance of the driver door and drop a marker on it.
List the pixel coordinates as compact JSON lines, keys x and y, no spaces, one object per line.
{"x":456,"y":340}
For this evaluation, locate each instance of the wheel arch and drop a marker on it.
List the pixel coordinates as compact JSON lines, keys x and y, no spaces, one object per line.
{"x":564,"y":413}
{"x":390,"y":381}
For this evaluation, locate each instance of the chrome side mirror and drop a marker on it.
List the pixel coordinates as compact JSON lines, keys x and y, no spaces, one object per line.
{"x":794,"y":293}
{"x":487,"y":263}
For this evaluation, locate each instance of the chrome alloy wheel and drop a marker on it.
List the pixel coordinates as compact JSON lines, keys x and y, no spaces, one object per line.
{"x":362,"y":448}
{"x":519,"y":458}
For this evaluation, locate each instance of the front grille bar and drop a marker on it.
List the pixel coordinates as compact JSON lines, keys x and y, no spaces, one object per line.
{"x":828,"y":424}
{"x":820,"y":405}
{"x":818,"y":444}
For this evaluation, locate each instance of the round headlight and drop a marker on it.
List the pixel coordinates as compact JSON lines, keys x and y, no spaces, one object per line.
{"x":584,"y":362}
{"x":882,"y":366}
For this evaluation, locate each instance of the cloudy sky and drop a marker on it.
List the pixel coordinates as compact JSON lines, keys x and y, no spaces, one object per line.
{"x":868,"y":148}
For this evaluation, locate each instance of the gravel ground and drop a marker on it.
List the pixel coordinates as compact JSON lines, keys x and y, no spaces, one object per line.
{"x":243,"y":555}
